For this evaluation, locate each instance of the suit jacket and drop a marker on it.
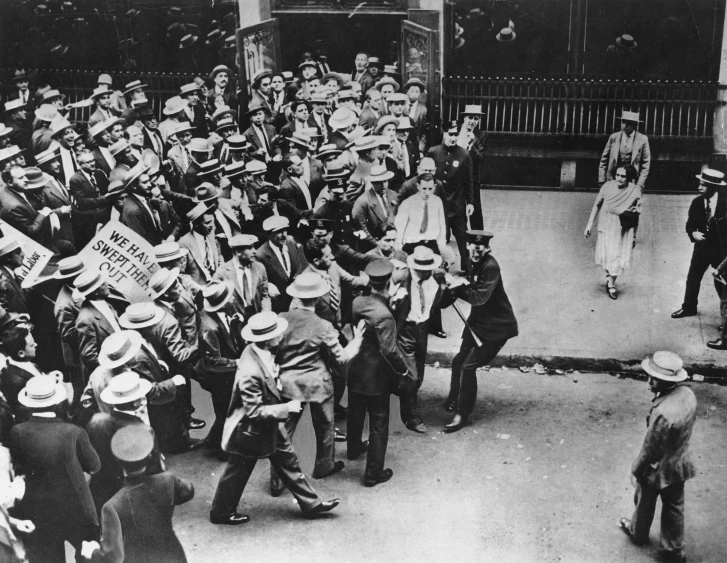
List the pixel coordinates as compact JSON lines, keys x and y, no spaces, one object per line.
{"x":91,"y":205}
{"x":63,"y":239}
{"x":98,"y":117}
{"x":368,"y":213}
{"x":66,"y":311}
{"x":309,"y":348}
{"x":102,"y":164}
{"x":137,"y":218}
{"x":92,"y":328}
{"x":665,"y":457}
{"x":41,"y":139}
{"x":255,"y":143}
{"x":252,"y":428}
{"x":403,"y":308}
{"x":175,"y":154}
{"x":20,"y":214}
{"x":714,"y":229}
{"x":12,"y":381}
{"x":368,"y":118}
{"x":491,"y":316}
{"x":260,"y":298}
{"x":290,"y":191}
{"x":276,"y":272}
{"x":191,"y":177}
{"x":379,"y":360}
{"x":157,"y":147}
{"x":136,"y":523}
{"x":419,"y":121}
{"x":187,"y":314}
{"x":340,"y":279}
{"x":219,"y":351}
{"x":454,"y":170}
{"x":13,"y":298}
{"x":195,"y":265}
{"x":366,"y":81}
{"x":324,"y":131}
{"x":53,"y":455}
{"x":640,"y":158}
{"x":168,"y":342}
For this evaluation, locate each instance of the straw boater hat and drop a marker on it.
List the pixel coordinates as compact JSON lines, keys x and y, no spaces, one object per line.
{"x":424,"y":258}
{"x":69,"y":268}
{"x":42,"y":391}
{"x":133,"y":85}
{"x":630,"y":116}
{"x":125,"y":387}
{"x":356,"y":136}
{"x":385,"y":120}
{"x":255,"y":167}
{"x":237,"y":142}
{"x":162,"y":280}
{"x":196,"y":212}
{"x":300,"y":139}
{"x":713,"y":177}
{"x":264,"y":326}
{"x":327,"y":150}
{"x":102,"y":126}
{"x":308,"y":285}
{"x":118,"y":147}
{"x":198,"y":145}
{"x":174,"y":105}
{"x":666,"y":366}
{"x":223,"y":111}
{"x":88,"y":282}
{"x":379,"y":173}
{"x":341,"y":119}
{"x":185,"y":89}
{"x":404,"y":124}
{"x":216,"y":295}
{"x":472,"y":109}
{"x":101,"y":90}
{"x":367,"y":143}
{"x":168,"y":251}
{"x":184,"y":127}
{"x":141,"y":315}
{"x":119,"y":348}
{"x":209,"y":167}
{"x":506,"y":35}
{"x":8,"y":245}
{"x":234,"y":169}
{"x":334,"y":170}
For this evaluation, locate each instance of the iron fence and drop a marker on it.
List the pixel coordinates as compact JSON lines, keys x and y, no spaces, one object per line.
{"x":583,"y":108}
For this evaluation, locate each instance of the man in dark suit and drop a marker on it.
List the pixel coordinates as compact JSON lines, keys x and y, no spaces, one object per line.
{"x":88,"y":187}
{"x":707,"y":229}
{"x":53,"y":455}
{"x":152,"y":138}
{"x":283,"y":259}
{"x":260,"y":135}
{"x":371,"y":114}
{"x":474,"y":140}
{"x":136,"y":523}
{"x":454,"y":170}
{"x":138,"y":214}
{"x":665,"y":461}
{"x":12,"y":297}
{"x":376,"y":205}
{"x":53,"y":194}
{"x":194,"y":111}
{"x":380,"y":368}
{"x":293,"y":188}
{"x":101,"y":139}
{"x":16,"y":114}
{"x":20,"y":349}
{"x":252,"y":430}
{"x":490,"y":325}
{"x":312,"y":168}
{"x":17,"y":211}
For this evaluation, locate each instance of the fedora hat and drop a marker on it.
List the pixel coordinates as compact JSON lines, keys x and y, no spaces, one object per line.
{"x":404,"y":124}
{"x":388,"y":80}
{"x":119,"y":146}
{"x":255,"y":167}
{"x":20,"y":75}
{"x":183,"y":127}
{"x":168,"y":251}
{"x":397,"y":98}
{"x":328,"y":150}
{"x":88,"y":282}
{"x":216,"y":295}
{"x":42,"y":391}
{"x":69,"y":268}
{"x":174,"y":105}
{"x":125,"y":387}
{"x":209,"y":167}
{"x":102,"y":126}
{"x":141,"y":315}
{"x":46,"y":112}
{"x":5,"y":130}
{"x":332,"y":76}
{"x":52,"y":94}
{"x":8,"y":245}
{"x":118,"y":348}
{"x":275,"y":223}
{"x":308,"y":285}
{"x":424,"y":258}
{"x":9,"y":320}
{"x":197,"y":144}
{"x":205,"y":192}
{"x":379,"y":173}
{"x":341,"y":119}
{"x":666,"y":366}
{"x":264,"y":326}
{"x":161,"y":281}
{"x":260,"y":74}
{"x":196,"y":212}
{"x":223,"y":111}
{"x":59,"y":124}
{"x":300,"y":139}
{"x":506,"y":35}
{"x":36,"y":178}
{"x":319,"y":96}
{"x":414,"y":81}
{"x":234,"y":169}
{"x":472,"y":109}
{"x":713,"y":177}
{"x":101,"y":90}
{"x":104,"y":79}
{"x":221,"y":68}
{"x":630,"y":116}
{"x":12,"y":105}
{"x":134,"y":174}
{"x":242,"y":241}
{"x":385,"y":120}
{"x":357,"y":135}
{"x":8,"y":153}
{"x":187,"y":41}
{"x":115,"y":189}
{"x":133,"y":445}
{"x":255,"y":107}
{"x":626,"y":41}
{"x":367,"y":143}
{"x":346,"y":95}
{"x":185,"y":89}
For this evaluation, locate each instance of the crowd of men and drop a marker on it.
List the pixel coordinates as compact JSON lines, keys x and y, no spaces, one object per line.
{"x":293,"y":237}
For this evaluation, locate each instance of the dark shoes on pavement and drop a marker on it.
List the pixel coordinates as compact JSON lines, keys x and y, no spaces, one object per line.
{"x":323,"y":507}
{"x":682,"y":313}
{"x":718,"y":344}
{"x":356,"y":453}
{"x":417,"y":426}
{"x":337,"y":466}
{"x":439,"y":334}
{"x":457,"y":423}
{"x":382,"y":477}
{"x":340,"y":436}
{"x":450,"y":405}
{"x":196,"y":424}
{"x":233,"y":519}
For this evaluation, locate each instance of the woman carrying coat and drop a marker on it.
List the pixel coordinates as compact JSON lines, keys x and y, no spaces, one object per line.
{"x":615,"y":242}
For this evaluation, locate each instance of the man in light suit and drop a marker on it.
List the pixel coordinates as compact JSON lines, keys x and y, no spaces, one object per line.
{"x":665,"y":461}
{"x":624,"y":147}
{"x":252,"y":430}
{"x":104,"y":106}
{"x":283,"y":259}
{"x":246,"y":277}
{"x":204,"y":251}
{"x":376,"y":205}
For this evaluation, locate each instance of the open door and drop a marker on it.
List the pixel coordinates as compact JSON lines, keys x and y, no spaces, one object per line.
{"x":418,"y":57}
{"x":258,"y":47}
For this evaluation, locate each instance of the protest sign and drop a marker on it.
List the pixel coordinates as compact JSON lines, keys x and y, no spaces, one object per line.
{"x":36,"y":255}
{"x":124,"y":257}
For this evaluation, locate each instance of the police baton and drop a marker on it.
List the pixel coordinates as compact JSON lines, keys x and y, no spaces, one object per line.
{"x":466,"y":324}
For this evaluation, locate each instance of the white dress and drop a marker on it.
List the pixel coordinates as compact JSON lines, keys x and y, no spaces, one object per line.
{"x":614,"y":245}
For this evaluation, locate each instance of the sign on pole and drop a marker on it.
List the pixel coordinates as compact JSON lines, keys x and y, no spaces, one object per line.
{"x":36,"y":256}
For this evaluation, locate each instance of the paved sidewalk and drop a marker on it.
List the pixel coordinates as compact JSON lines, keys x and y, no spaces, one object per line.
{"x":558,"y":292}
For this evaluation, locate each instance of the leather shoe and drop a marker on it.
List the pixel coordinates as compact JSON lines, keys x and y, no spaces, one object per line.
{"x":325,"y":506}
{"x":671,"y":557}
{"x":457,"y":422}
{"x":276,"y":492}
{"x":233,"y":519}
{"x":361,"y":449}
{"x":625,"y":525}
{"x":439,"y":334}
{"x":416,"y":426}
{"x":382,"y":477}
{"x":450,"y":405}
{"x":682,"y":313}
{"x":718,"y":344}
{"x":340,"y":436}
{"x":340,"y":412}
{"x":196,"y":424}
{"x":337,"y":466}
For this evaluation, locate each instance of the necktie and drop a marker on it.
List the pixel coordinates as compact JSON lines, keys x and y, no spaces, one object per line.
{"x":333,"y":294}
{"x":286,"y":265}
{"x":185,"y":159}
{"x":425,"y":218}
{"x":265,"y":137}
{"x":246,"y":290}
{"x":92,"y":178}
{"x":422,"y":300}
{"x":208,"y":262}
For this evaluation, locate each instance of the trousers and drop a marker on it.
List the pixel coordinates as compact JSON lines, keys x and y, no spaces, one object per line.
{"x":457,"y":225}
{"x":671,"y":542}
{"x":239,"y":468}
{"x":323,"y":426}
{"x":413,"y":340}
{"x":704,"y":255}
{"x":377,"y":407}
{"x":463,"y":384}
{"x":221,"y":393}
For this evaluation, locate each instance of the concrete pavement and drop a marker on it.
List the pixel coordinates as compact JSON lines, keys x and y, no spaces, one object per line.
{"x":558,"y":292}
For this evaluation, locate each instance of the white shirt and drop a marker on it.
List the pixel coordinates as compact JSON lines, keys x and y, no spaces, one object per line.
{"x":262,"y":135}
{"x":276,"y":251}
{"x":108,"y":313}
{"x":201,"y":243}
{"x":413,"y":110}
{"x":409,"y":219}
{"x":144,"y":202}
{"x":68,"y":163}
{"x":243,"y":272}
{"x":268,"y":361}
{"x":110,"y":160}
{"x":306,"y":170}
{"x":303,"y":185}
{"x":430,"y":290}
{"x":712,"y":205}
{"x":224,"y":223}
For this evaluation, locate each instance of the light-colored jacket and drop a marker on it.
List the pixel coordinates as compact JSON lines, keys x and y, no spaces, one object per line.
{"x":640,"y":158}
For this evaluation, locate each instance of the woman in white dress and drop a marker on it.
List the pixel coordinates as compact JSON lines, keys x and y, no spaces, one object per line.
{"x":614,"y":245}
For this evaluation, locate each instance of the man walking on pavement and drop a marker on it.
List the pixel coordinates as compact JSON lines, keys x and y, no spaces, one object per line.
{"x":626,"y":147}
{"x":665,"y":460}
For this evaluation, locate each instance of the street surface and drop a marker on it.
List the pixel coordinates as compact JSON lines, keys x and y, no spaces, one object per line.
{"x":542,"y":475}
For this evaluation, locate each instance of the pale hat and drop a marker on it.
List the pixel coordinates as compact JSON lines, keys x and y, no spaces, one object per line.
{"x":185,"y":89}
{"x":256,"y":167}
{"x":472,"y":109}
{"x":125,"y":387}
{"x":196,"y":212}
{"x":69,"y":267}
{"x":197,"y":144}
{"x":308,"y":285}
{"x":424,"y":258}
{"x":666,"y":366}
{"x":162,"y":280}
{"x":630,"y":116}
{"x":119,"y":348}
{"x":14,"y":104}
{"x":118,"y":147}
{"x":221,"y":68}
{"x":42,"y":391}
{"x":168,"y":251}
{"x":506,"y":35}
{"x":342,"y":118}
{"x":356,"y":135}
{"x":243,"y":240}
{"x":379,"y":173}
{"x":174,"y":105}
{"x":101,"y":90}
{"x":300,"y":139}
{"x":183,"y":127}
{"x":8,"y":245}
{"x":47,"y":155}
{"x":102,"y":126}
{"x":396,"y":97}
{"x":46,"y":112}
{"x":385,"y":120}
{"x":216,"y":295}
{"x":141,"y":315}
{"x":59,"y":124}
{"x":88,"y":282}
{"x":264,"y":326}
{"x":133,"y":85}
{"x":710,"y":176}
{"x":388,"y":80}
{"x":275,"y":223}
{"x":368,"y":143}
{"x":404,"y":124}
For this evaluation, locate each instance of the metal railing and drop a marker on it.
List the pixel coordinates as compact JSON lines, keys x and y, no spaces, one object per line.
{"x":583,"y":107}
